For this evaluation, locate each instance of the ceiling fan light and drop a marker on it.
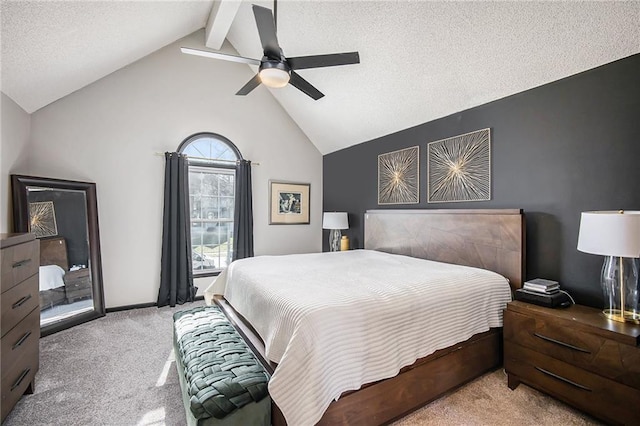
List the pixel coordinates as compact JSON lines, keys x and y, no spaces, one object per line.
{"x":274,"y":77}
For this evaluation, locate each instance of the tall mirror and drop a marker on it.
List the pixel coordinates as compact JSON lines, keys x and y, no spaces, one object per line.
{"x":63,"y":215}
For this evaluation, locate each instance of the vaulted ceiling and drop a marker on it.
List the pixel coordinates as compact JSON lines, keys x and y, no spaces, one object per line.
{"x":420,"y":60}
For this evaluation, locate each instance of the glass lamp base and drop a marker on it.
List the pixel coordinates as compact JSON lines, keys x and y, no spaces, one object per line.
{"x":620,"y":288}
{"x":334,"y":240}
{"x":617,"y":315}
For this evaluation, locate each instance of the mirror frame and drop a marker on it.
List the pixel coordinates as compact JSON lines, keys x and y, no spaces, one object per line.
{"x":19,"y":184}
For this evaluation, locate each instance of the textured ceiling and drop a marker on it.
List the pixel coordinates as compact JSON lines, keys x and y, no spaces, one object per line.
{"x":419,"y":60}
{"x":53,"y":48}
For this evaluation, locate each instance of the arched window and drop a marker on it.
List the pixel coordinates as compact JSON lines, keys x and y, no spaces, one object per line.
{"x":212,"y":178}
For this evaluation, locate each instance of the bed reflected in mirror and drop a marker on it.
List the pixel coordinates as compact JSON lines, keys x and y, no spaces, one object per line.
{"x":63,"y":216}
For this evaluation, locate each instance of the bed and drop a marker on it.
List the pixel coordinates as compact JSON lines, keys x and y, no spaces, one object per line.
{"x":53,"y":267}
{"x":401,"y":367}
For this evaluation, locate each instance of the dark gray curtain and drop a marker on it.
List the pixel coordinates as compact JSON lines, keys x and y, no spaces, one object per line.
{"x":243,"y":213}
{"x":176,"y":275}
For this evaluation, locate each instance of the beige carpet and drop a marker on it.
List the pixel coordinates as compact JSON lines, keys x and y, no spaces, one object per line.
{"x":488,"y":401}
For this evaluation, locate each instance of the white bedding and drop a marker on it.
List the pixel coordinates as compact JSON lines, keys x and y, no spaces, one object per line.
{"x":335,"y":321}
{"x":51,"y":276}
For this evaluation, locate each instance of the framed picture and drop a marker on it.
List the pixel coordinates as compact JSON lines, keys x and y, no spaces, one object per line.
{"x":459,"y":168}
{"x":289,"y":203}
{"x":398,"y":176}
{"x":42,"y":219}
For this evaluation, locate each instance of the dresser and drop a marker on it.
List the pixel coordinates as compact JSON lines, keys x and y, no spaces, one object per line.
{"x":20,"y":316}
{"x":576,"y":355}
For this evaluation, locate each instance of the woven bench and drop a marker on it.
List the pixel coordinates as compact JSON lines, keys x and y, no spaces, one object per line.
{"x":222,"y":382}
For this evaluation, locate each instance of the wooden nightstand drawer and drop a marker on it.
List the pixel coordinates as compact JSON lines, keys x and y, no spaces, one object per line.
{"x":18,"y":302}
{"x":604,"y":398}
{"x":592,"y":352}
{"x":21,"y":341}
{"x":19,"y":262}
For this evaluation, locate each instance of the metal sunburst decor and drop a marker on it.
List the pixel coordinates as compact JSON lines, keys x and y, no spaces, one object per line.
{"x":459,"y":168}
{"x":42,"y":219}
{"x":398,"y":177}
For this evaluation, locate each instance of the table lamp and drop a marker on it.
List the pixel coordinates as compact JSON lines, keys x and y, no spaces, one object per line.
{"x":615,"y":235}
{"x":335,"y":221}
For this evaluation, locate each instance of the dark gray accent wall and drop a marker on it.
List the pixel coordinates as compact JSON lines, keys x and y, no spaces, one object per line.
{"x":556,"y":150}
{"x":71,"y":219}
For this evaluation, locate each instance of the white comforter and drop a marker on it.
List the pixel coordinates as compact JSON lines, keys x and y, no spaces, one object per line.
{"x":51,"y":276}
{"x":335,"y":321}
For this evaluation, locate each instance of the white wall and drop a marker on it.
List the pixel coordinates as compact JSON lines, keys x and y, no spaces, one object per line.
{"x":16,"y":125}
{"x":109,"y":132}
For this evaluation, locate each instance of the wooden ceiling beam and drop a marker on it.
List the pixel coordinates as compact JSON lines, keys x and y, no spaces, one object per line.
{"x":222,"y":15}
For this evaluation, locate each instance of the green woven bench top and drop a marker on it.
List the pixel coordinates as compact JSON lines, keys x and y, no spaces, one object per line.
{"x":222,"y":373}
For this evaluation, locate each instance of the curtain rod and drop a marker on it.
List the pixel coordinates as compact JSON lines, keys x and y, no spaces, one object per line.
{"x":161,"y":154}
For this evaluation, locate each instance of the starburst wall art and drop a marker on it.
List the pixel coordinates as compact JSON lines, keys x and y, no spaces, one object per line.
{"x":459,"y":168}
{"x":42,"y":219}
{"x":398,"y":177}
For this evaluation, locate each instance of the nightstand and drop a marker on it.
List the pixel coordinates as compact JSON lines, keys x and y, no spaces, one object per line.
{"x":576,"y":355}
{"x":77,"y":284}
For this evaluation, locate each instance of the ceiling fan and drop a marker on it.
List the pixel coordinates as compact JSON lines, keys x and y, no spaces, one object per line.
{"x":274,"y":69}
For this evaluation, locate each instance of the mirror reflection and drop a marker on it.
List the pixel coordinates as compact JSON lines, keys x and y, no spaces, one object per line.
{"x":58,"y":218}
{"x":63,"y":216}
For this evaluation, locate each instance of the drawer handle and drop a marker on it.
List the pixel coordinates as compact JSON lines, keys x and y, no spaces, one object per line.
{"x":21,"y":301}
{"x":566,"y":345}
{"x":20,"y":263}
{"x":22,"y":339}
{"x":20,"y":379}
{"x":555,"y":376}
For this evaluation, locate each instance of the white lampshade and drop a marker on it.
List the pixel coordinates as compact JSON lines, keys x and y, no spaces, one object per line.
{"x":335,"y":220}
{"x":610,"y":233}
{"x":274,"y":77}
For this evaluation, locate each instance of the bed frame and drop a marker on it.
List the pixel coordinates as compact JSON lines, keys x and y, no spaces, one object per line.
{"x":490,"y":239}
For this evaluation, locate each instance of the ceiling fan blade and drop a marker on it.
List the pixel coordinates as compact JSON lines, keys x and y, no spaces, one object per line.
{"x":251,"y":84}
{"x":267,"y":31}
{"x":304,"y":86}
{"x":318,"y":61}
{"x":218,"y":55}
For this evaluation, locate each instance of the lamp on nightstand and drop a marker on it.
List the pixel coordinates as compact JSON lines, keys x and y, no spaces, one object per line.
{"x":615,"y":235}
{"x":335,"y":221}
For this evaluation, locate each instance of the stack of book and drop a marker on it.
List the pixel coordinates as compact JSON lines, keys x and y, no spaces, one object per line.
{"x":541,"y":286}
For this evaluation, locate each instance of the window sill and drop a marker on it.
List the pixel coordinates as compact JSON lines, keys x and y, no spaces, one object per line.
{"x":206,"y":274}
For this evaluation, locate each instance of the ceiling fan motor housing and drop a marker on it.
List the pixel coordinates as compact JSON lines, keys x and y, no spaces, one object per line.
{"x":272,"y":63}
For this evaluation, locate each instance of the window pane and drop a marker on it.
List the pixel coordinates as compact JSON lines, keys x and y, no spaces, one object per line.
{"x":226,"y":207}
{"x":195,"y":182}
{"x":208,"y":147}
{"x":210,"y":183}
{"x":227,"y":185}
{"x":201,"y":260}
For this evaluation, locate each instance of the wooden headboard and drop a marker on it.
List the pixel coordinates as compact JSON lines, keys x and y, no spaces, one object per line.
{"x":488,"y":239}
{"x":53,"y":251}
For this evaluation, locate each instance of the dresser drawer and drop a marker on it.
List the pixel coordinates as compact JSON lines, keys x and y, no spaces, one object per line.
{"x":18,"y":380}
{"x":604,"y":398}
{"x":17,"y":302}
{"x":19,"y":262}
{"x":597,"y":354}
{"x":22,"y":340}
